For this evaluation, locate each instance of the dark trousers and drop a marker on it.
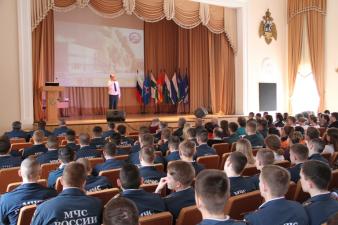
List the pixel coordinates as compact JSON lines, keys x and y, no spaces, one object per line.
{"x":113,"y":101}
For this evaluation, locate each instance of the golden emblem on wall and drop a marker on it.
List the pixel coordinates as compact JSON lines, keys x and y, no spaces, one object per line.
{"x":267,"y":28}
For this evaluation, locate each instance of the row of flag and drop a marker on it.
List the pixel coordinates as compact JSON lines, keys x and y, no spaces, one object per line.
{"x":162,"y":90}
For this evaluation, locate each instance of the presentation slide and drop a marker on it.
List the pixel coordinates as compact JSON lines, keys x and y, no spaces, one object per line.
{"x":85,"y":54}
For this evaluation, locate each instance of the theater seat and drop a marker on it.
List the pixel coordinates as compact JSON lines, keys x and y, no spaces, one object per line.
{"x":159,"y":167}
{"x":223,"y":160}
{"x":209,"y":161}
{"x":151,"y":188}
{"x":18,"y":146}
{"x":237,"y":206}
{"x":8,"y":176}
{"x":121,"y":157}
{"x":112,"y":175}
{"x":222,"y":148}
{"x":46,"y":168}
{"x":283,"y":163}
{"x":26,"y":215}
{"x":250,"y":171}
{"x":12,"y":186}
{"x":163,"y":218}
{"x":327,"y":156}
{"x":334,"y":180}
{"x":189,"y":216}
{"x":290,"y":195}
{"x":17,"y":140}
{"x":94,"y":161}
{"x":58,"y":185}
{"x":300,"y":195}
{"x":104,"y":195}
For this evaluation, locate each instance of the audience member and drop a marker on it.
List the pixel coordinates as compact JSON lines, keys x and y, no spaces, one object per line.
{"x":180,"y":124}
{"x":333,"y":120}
{"x":217,"y":137}
{"x":264,"y":157}
{"x":71,"y":140}
{"x":17,"y":132}
{"x":97,"y":140}
{"x":316,"y":146}
{"x":62,"y":129}
{"x":203,"y":149}
{"x":332,"y":140}
{"x":42,"y":126}
{"x":233,"y":135}
{"x":38,"y":147}
{"x":85,"y":150}
{"x":298,"y":155}
{"x":120,"y":211}
{"x":255,"y":138}
{"x":110,"y":131}
{"x":244,"y":146}
{"x":263,"y":128}
{"x":125,"y":141}
{"x":273,"y":142}
{"x":173,"y":144}
{"x":241,"y":131}
{"x":187,"y":150}
{"x":51,"y":156}
{"x":155,"y":124}
{"x":163,"y":143}
{"x":6,"y":160}
{"x":224,"y":124}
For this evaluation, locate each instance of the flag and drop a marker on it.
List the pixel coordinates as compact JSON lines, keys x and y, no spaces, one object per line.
{"x":153,"y":85}
{"x":167,"y":89}
{"x":174,"y":89}
{"x":146,"y":90}
{"x":160,"y":84}
{"x":181,"y":91}
{"x":139,"y":87}
{"x":186,"y":89}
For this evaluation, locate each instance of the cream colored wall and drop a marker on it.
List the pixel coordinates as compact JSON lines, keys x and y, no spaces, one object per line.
{"x":275,"y":54}
{"x":331,"y":54}
{"x":9,"y":65}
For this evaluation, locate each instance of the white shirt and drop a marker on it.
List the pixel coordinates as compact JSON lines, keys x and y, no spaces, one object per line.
{"x":111,"y":89}
{"x":329,"y":149}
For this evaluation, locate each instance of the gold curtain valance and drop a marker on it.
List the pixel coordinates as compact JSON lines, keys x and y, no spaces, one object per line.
{"x":305,"y":6}
{"x":185,"y":13}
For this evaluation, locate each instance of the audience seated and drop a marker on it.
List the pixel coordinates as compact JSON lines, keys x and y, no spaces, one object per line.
{"x":273,"y":143}
{"x":311,"y":133}
{"x":130,"y":181}
{"x":93,"y":183}
{"x":125,"y":141}
{"x":71,"y":140}
{"x":85,"y":150}
{"x":38,"y":147}
{"x":6,"y":160}
{"x":173,"y":145}
{"x":191,"y":135}
{"x":62,"y":129}
{"x":28,"y":193}
{"x":203,"y":149}
{"x":316,"y":146}
{"x":147,"y":168}
{"x":180,"y":124}
{"x":180,"y":176}
{"x":291,"y":121}
{"x":333,"y":120}
{"x":332,"y":141}
{"x":217,"y":137}
{"x":287,"y":132}
{"x":199,"y":125}
{"x":137,"y":145}
{"x":120,"y":211}
{"x":298,"y":154}
{"x":155,"y":123}
{"x":17,"y":132}
{"x":233,"y":135}
{"x":158,"y":134}
{"x":71,"y":206}
{"x":41,"y":125}
{"x":224,"y":125}
{"x":264,"y":157}
{"x":97,"y":140}
{"x":109,"y":152}
{"x":66,"y":155}
{"x":187,"y":150}
{"x":244,"y":146}
{"x":110,"y":131}
{"x":273,"y":185}
{"x":279,"y":120}
{"x":234,"y":167}
{"x":163,"y":143}
{"x":263,"y":128}
{"x":315,"y":179}
{"x":256,"y":139}
{"x":51,"y":156}
{"x":212,"y":192}
{"x":241,"y":130}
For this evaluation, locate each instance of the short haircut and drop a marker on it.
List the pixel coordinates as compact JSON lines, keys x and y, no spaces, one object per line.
{"x":120,"y":211}
{"x":70,"y":135}
{"x":318,"y":145}
{"x":277,"y":179}
{"x":111,"y":125}
{"x":265,"y":156}
{"x":30,"y":168}
{"x":274,"y":130}
{"x":288,"y":130}
{"x":41,"y":124}
{"x":312,"y":133}
{"x":110,"y":149}
{"x":318,"y":172}
{"x":174,"y":142}
{"x":38,"y":136}
{"x":300,"y":129}
{"x":212,"y":187}
{"x":335,"y":115}
{"x":62,"y":122}
{"x":84,"y":139}
{"x":147,"y":139}
{"x":181,"y":122}
{"x":5,"y":145}
{"x":238,"y":161}
{"x":292,"y":118}
{"x":52,"y":142}
{"x":203,"y":136}
{"x":116,"y":138}
{"x":182,"y":172}
{"x":97,"y":130}
{"x":279,"y":117}
{"x":130,"y":177}
{"x":273,"y":142}
{"x":85,"y":162}
{"x":66,"y":154}
{"x":147,"y":153}
{"x":187,"y":148}
{"x":191,"y":132}
{"x":241,"y":121}
{"x":233,"y":126}
{"x":122,"y":129}
{"x":74,"y":175}
{"x":166,"y":133}
{"x":263,"y":123}
{"x":218,"y":132}
{"x":16,"y":125}
{"x":252,"y":125}
{"x":209,"y":126}
{"x":300,"y":150}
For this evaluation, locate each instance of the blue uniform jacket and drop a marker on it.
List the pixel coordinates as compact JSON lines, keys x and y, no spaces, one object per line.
{"x":318,"y":157}
{"x":48,"y":157}
{"x":54,"y":175}
{"x":278,"y":212}
{"x":109,"y":164}
{"x":87,"y":152}
{"x":240,"y":185}
{"x":232,"y":138}
{"x":71,"y":206}
{"x":135,"y":148}
{"x":147,"y":203}
{"x":125,"y":141}
{"x":34,"y":150}
{"x":173,"y":156}
{"x":255,"y":180}
{"x":134,"y":159}
{"x":45,"y":132}
{"x":73,"y":146}
{"x":295,"y":171}
{"x":203,"y":150}
{"x":150,"y":174}
{"x":255,"y":140}
{"x":108,"y":133}
{"x":8,"y":161}
{"x":164,"y":147}
{"x":178,"y":200}
{"x":319,"y":208}
{"x":97,"y":142}
{"x":221,"y":222}
{"x":17,"y":134}
{"x":97,"y":183}
{"x":198,"y":167}
{"x":25,"y":194}
{"x":60,"y":131}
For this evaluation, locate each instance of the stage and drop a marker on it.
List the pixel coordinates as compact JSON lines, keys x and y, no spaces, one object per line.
{"x":133,"y":121}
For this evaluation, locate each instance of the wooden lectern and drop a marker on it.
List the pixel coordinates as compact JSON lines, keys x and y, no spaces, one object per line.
{"x":52,"y":95}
